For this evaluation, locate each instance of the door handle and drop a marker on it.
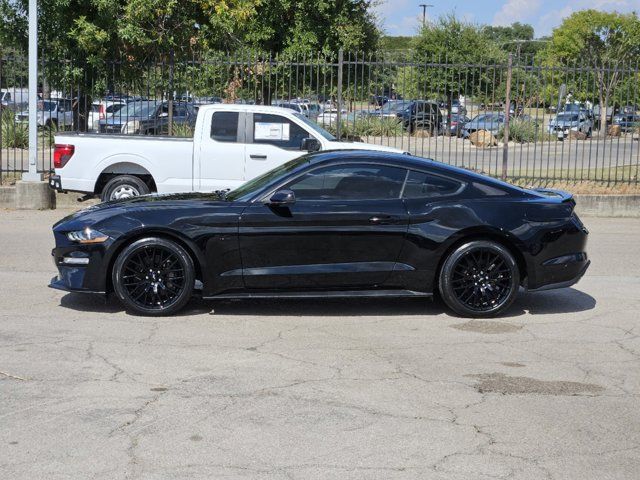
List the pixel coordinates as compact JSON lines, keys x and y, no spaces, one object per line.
{"x":258,"y":157}
{"x":380,"y":220}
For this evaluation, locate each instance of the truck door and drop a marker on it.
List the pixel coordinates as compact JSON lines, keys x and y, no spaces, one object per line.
{"x":221,"y":156}
{"x":273,"y":140}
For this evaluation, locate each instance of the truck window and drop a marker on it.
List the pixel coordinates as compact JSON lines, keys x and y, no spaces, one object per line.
{"x":224,"y":126}
{"x":278,"y":131}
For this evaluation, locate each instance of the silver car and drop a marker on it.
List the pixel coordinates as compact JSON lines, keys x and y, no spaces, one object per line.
{"x":54,"y":113}
{"x":570,"y":121}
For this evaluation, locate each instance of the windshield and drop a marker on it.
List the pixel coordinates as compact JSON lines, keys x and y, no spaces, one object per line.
{"x":567,"y":117}
{"x":263,"y":180}
{"x":491,"y":117}
{"x":137,"y":109}
{"x":392,"y":107}
{"x":316,"y":128}
{"x":46,"y":106}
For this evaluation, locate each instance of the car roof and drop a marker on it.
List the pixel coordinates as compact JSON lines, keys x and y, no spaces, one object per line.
{"x":238,"y":107}
{"x":406,"y":161}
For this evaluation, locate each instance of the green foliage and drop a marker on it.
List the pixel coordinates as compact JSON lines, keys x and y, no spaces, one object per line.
{"x":369,"y":127}
{"x":608,"y":43}
{"x":525,"y":131}
{"x":14,"y":135}
{"x":182,"y":130}
{"x":392,"y":44}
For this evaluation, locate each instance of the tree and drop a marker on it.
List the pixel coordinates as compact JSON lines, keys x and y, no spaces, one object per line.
{"x":607,"y":42}
{"x":472,"y":54}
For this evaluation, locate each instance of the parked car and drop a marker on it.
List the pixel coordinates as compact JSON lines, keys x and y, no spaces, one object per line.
{"x":231,"y":144}
{"x":565,"y":122}
{"x":14,"y":98}
{"x":329,"y":224}
{"x":629,"y":122}
{"x":329,"y":116}
{"x":422,"y":115}
{"x":391,"y":109}
{"x":55,"y":113}
{"x":491,"y":122}
{"x":147,"y":118}
{"x":456,"y":127}
{"x":101,"y":110}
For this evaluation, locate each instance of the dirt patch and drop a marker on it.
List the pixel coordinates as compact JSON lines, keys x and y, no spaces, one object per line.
{"x":506,"y":385}
{"x":513,"y":364}
{"x":159,"y":389}
{"x":487,"y":327}
{"x":195,"y":438}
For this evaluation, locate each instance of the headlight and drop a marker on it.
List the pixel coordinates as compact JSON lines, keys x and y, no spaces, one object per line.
{"x":131,"y":127}
{"x":87,"y":235}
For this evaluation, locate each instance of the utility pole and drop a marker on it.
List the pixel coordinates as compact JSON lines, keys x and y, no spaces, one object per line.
{"x":424,"y":13}
{"x":32,"y":175}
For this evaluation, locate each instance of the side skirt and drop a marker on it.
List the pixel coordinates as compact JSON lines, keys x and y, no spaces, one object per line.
{"x":323,"y":294}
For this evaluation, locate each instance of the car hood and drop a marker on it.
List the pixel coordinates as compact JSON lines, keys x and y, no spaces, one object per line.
{"x":362,"y":146}
{"x":564,"y":123}
{"x":96,"y":213}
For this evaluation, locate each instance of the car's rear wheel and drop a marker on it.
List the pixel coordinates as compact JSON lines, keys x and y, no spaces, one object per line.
{"x":479,"y":279}
{"x":153,"y":276}
{"x":123,"y":186}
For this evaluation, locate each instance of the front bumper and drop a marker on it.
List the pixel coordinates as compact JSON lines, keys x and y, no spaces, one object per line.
{"x":86,"y":274}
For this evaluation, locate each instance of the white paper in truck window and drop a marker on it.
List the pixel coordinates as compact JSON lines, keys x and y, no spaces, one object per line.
{"x":271,"y":131}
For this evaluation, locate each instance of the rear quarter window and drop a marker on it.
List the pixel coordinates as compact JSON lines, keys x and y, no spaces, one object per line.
{"x":427,"y":185}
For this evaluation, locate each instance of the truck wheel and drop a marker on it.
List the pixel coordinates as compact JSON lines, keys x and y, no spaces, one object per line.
{"x":123,"y":186}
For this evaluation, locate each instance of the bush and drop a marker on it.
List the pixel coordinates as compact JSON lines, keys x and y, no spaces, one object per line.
{"x":182,"y":130}
{"x":525,"y":131}
{"x":14,"y":135}
{"x":369,"y":127}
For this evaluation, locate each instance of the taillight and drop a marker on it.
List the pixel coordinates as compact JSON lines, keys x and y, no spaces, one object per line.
{"x":62,"y":154}
{"x":101,"y":111}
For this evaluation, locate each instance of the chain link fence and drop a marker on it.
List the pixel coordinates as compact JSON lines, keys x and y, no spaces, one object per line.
{"x":520,"y":120}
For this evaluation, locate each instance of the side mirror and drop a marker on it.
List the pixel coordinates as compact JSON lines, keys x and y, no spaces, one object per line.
{"x":282,"y":198}
{"x":310,"y":144}
{"x":163,"y":115}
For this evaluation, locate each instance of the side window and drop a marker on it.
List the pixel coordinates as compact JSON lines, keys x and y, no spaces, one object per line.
{"x":350,"y":182}
{"x":424,"y":185}
{"x":224,"y":126}
{"x":179,"y":110}
{"x":277,"y":130}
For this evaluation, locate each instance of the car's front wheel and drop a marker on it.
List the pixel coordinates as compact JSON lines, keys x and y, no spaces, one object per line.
{"x":153,"y":276}
{"x":479,"y":279}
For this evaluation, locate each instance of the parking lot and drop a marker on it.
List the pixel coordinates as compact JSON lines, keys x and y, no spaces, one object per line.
{"x":283,"y":389}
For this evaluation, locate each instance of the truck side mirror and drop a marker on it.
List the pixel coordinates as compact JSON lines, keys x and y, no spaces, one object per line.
{"x":310,"y":144}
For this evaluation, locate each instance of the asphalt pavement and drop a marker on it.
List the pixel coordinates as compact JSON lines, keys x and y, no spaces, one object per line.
{"x":375,"y":389}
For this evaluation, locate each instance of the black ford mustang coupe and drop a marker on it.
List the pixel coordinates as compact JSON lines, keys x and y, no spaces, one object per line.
{"x":334,"y":224}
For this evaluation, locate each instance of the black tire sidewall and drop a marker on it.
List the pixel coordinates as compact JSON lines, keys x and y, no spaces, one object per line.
{"x":123,"y":180}
{"x":187,"y":264}
{"x":444,"y":281}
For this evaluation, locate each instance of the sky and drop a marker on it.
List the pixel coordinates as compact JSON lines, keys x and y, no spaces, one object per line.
{"x":403,"y":17}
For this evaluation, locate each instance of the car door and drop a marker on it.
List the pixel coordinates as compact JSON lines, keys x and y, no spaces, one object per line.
{"x":345,"y":229}
{"x":273,"y":139}
{"x":221,"y":158}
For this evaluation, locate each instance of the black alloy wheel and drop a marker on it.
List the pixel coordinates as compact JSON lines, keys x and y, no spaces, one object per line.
{"x":154,"y":276}
{"x":479,"y":279}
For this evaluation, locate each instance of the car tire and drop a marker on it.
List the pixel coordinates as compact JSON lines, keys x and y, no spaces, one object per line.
{"x":123,"y":186}
{"x":479,"y":278}
{"x":153,"y":276}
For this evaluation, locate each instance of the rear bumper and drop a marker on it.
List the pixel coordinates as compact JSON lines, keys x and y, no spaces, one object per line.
{"x":563,"y":272}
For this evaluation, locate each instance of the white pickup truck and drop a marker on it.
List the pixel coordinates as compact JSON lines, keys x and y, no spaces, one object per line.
{"x":231,"y":144}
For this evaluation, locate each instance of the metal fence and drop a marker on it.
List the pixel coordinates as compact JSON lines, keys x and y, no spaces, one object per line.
{"x":462,"y":114}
